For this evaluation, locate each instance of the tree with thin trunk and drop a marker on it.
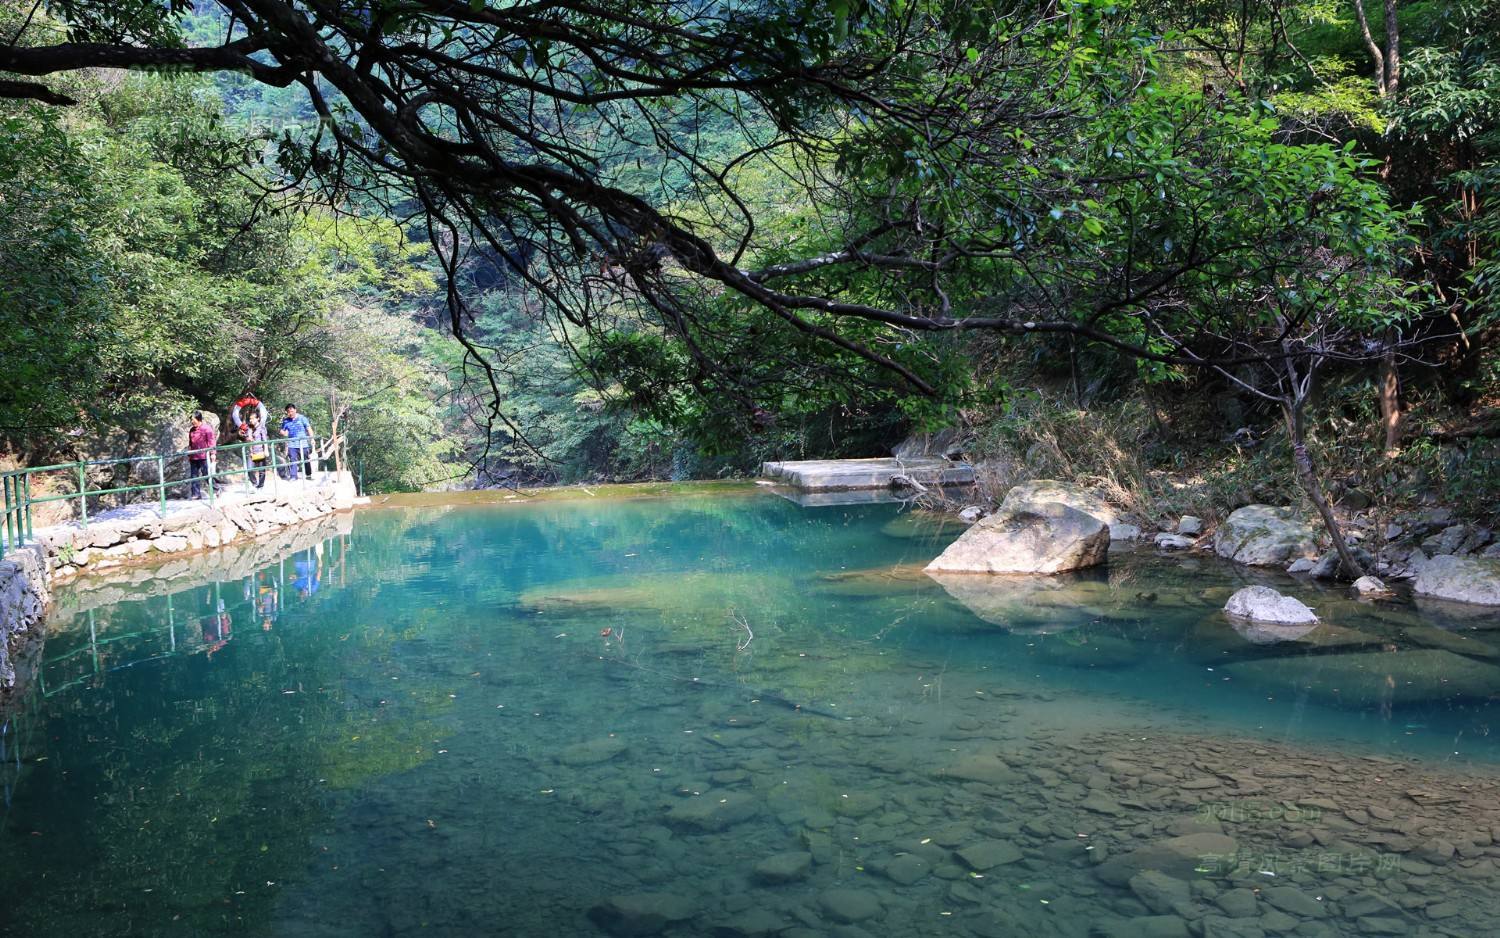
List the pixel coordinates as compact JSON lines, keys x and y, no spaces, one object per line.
{"x":1385,"y":54}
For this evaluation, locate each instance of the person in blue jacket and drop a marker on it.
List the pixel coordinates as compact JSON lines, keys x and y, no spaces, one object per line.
{"x":298,"y":432}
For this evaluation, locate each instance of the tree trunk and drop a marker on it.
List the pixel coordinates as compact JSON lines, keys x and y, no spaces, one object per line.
{"x":1372,"y":45}
{"x":1387,"y":58}
{"x":1390,"y":399}
{"x":1308,"y":479}
{"x":1073,"y":372}
{"x":1392,"y":49}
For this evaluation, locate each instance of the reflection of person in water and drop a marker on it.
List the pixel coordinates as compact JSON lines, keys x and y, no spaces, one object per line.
{"x":217,"y":627}
{"x":309,"y":569}
{"x":265,"y":600}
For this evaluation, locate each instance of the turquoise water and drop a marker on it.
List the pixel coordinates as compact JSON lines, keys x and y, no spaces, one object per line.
{"x":728,"y":714}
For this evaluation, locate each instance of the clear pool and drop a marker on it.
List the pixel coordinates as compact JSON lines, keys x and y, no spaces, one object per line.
{"x":721,"y":713}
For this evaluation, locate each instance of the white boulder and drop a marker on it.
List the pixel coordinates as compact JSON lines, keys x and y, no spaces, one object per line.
{"x":1041,"y":491}
{"x":1263,"y":604}
{"x":1370,"y":586}
{"x":1050,"y":537}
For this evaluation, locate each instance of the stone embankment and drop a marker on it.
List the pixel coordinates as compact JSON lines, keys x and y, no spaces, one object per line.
{"x":144,"y":534}
{"x":129,"y":534}
{"x":23,"y":602}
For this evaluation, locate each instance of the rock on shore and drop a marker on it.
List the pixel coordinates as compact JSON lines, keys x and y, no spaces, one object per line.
{"x":1259,"y":535}
{"x":1473,"y":580}
{"x":1046,"y":537}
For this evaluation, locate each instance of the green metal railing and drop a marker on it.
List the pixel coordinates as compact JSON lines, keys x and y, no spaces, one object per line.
{"x":18,"y":486}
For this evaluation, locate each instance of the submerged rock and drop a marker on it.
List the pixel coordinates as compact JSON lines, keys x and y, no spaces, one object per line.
{"x":1146,"y":926}
{"x":989,"y":769}
{"x":1259,"y":535}
{"x":1178,"y":857}
{"x":1473,"y":580}
{"x":988,"y":854}
{"x":1045,"y":538}
{"x":712,"y":811}
{"x":784,"y":867}
{"x":1361,"y":679}
{"x":1460,"y":643}
{"x":906,"y":869}
{"x":850,"y":905}
{"x":641,"y":913}
{"x":751,"y":923}
{"x":1161,"y":893}
{"x":591,"y":752}
{"x":877,"y":581}
{"x":1263,"y":604}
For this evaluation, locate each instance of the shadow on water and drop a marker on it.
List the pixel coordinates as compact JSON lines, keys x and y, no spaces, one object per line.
{"x":725,"y":714}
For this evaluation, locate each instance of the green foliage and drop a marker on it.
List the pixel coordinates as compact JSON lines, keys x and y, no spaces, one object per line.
{"x":146,"y":271}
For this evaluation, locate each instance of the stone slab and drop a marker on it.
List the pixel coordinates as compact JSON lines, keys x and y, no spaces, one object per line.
{"x":836,"y":475}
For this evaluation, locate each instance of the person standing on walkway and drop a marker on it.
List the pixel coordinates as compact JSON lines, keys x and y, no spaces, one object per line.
{"x":201,"y":440}
{"x":255,"y":435}
{"x":298,"y":432}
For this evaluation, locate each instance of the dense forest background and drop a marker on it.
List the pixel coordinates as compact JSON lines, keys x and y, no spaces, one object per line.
{"x":153,"y":259}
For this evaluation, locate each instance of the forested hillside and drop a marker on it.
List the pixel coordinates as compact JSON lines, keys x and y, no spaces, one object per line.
{"x":1235,"y":250}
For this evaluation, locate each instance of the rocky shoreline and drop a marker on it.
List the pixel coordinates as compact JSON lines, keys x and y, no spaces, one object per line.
{"x":1045,"y":526}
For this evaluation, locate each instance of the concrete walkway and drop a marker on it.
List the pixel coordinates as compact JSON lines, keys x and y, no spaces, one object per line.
{"x":838,"y":475}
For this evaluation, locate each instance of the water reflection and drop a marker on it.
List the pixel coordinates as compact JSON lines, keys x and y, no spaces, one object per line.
{"x":742,"y":717}
{"x":88,"y":637}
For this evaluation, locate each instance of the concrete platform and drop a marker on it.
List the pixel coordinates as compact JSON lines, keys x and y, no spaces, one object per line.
{"x":841,"y":475}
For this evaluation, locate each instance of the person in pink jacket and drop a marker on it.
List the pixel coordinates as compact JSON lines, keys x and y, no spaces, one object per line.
{"x":201,"y":440}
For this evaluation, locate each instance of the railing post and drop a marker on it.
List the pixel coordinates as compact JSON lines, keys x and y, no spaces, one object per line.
{"x":83,"y":497}
{"x":161,"y":484}
{"x":30,"y":532}
{"x":213,"y":470}
{"x":7,"y":537}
